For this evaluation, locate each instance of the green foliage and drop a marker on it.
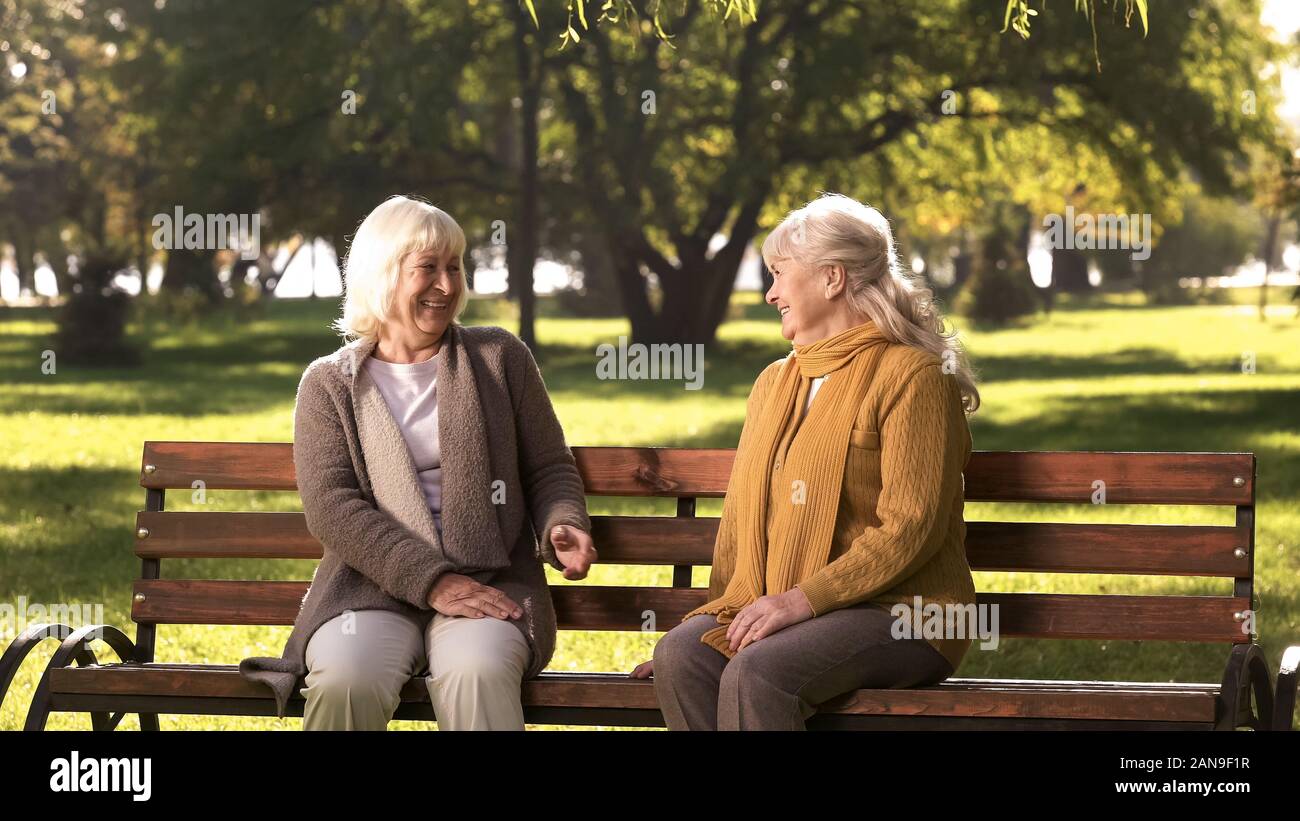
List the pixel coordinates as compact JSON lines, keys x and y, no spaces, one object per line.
{"x":633,"y":14}
{"x":1215,"y":235}
{"x":1018,"y":13}
{"x":999,"y":292}
{"x":925,"y":111}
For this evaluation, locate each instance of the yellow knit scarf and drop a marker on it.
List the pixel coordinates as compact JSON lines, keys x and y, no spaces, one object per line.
{"x":811,"y":468}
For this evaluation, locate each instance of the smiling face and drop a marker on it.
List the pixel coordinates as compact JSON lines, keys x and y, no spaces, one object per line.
{"x":801,"y":297}
{"x":428,"y":287}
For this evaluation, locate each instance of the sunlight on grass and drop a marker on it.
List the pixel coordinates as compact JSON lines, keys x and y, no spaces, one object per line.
{"x":1100,"y":374}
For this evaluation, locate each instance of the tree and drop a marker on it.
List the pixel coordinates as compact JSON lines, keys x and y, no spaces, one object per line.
{"x":1214,"y":235}
{"x":721,"y":136}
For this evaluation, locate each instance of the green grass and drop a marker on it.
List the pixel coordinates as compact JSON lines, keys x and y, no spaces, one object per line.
{"x":1104,"y":373}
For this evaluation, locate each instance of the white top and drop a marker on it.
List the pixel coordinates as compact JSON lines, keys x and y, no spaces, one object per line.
{"x":411,"y":392}
{"x":812,"y":391}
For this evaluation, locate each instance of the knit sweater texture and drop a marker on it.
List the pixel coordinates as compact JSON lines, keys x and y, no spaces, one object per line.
{"x":508,"y":478}
{"x":899,"y":530}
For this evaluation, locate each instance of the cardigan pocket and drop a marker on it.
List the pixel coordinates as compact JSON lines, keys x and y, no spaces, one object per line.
{"x":862,"y":481}
{"x":861,"y":438}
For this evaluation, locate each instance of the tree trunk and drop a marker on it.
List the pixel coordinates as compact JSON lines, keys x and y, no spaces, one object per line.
{"x":632,"y":290}
{"x":1270,"y":256}
{"x":24,"y":267}
{"x":523,"y":241}
{"x":1070,"y":271}
{"x":191,"y":269}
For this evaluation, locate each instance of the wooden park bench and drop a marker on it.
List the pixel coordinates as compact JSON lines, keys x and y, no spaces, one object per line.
{"x":75,"y":681}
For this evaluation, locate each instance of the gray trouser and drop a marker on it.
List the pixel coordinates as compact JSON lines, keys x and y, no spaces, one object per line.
{"x":776,"y":682}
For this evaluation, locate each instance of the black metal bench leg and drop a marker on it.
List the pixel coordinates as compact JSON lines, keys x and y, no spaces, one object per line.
{"x":39,"y":712}
{"x":76,"y":647}
{"x":21,"y":646}
{"x":1246,"y":674}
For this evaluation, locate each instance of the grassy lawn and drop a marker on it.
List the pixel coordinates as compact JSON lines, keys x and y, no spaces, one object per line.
{"x":1100,"y":374}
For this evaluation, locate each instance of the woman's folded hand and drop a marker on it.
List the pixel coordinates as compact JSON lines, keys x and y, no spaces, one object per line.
{"x":767,"y":615}
{"x":456,"y":595}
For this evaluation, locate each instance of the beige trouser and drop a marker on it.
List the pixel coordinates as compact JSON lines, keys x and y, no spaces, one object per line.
{"x":358,"y":662}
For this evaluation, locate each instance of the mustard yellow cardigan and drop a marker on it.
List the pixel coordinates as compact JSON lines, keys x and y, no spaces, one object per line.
{"x":899,"y":532}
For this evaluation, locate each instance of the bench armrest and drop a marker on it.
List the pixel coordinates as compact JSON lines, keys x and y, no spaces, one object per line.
{"x":1284,"y":697}
{"x":76,"y":647}
{"x":24,"y":644}
{"x":1246,"y":675}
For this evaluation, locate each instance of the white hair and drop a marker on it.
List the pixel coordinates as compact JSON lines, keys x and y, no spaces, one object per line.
{"x":838,"y":230}
{"x":398,"y":226}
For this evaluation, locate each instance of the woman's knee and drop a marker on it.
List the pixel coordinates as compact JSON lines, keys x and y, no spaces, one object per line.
{"x":681,"y":643}
{"x":753,"y":667}
{"x":354,"y":684}
{"x":366,"y":656}
{"x":483,"y":650}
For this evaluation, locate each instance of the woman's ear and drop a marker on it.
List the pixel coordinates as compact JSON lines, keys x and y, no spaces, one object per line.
{"x":836,"y":279}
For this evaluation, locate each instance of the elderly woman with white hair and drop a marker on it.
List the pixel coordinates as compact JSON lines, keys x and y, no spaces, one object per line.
{"x":430,"y":462}
{"x":841,"y":514}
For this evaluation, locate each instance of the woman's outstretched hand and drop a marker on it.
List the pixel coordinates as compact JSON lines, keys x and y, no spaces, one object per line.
{"x":456,"y":595}
{"x":645,"y":669}
{"x":574,"y":549}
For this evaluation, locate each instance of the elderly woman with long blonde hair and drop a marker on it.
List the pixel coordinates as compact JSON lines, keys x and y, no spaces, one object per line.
{"x":837,"y":509}
{"x":430,"y":463}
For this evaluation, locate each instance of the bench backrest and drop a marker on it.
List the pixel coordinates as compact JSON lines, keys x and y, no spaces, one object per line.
{"x":685,"y":540}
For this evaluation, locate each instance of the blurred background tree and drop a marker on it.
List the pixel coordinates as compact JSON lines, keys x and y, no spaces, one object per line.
{"x":650,"y":146}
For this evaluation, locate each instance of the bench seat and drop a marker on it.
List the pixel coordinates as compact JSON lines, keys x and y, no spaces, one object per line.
{"x":631,"y":702}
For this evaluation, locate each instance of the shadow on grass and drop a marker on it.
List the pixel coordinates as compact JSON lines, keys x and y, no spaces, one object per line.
{"x":991,"y":367}
{"x":1220,"y":421}
{"x":203,"y":370}
{"x":77,"y":542}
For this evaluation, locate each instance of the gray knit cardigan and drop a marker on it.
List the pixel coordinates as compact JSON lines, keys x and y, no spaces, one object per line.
{"x":508,"y":478}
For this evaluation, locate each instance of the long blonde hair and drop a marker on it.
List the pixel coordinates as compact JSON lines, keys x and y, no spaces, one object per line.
{"x":838,"y":230}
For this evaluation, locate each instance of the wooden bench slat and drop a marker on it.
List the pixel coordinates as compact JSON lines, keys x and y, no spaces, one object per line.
{"x":635,"y":540}
{"x":219,"y":465}
{"x":224,"y":535}
{"x":578,"y":607}
{"x":1130,"y":478}
{"x":1180,"y":550}
{"x":606,"y":471}
{"x":592,"y":607}
{"x":1149,"y":550}
{"x":1128,"y":618}
{"x":938,"y":701}
{"x":1138,"y":701}
{"x":1024,"y":476}
{"x":672,"y":472}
